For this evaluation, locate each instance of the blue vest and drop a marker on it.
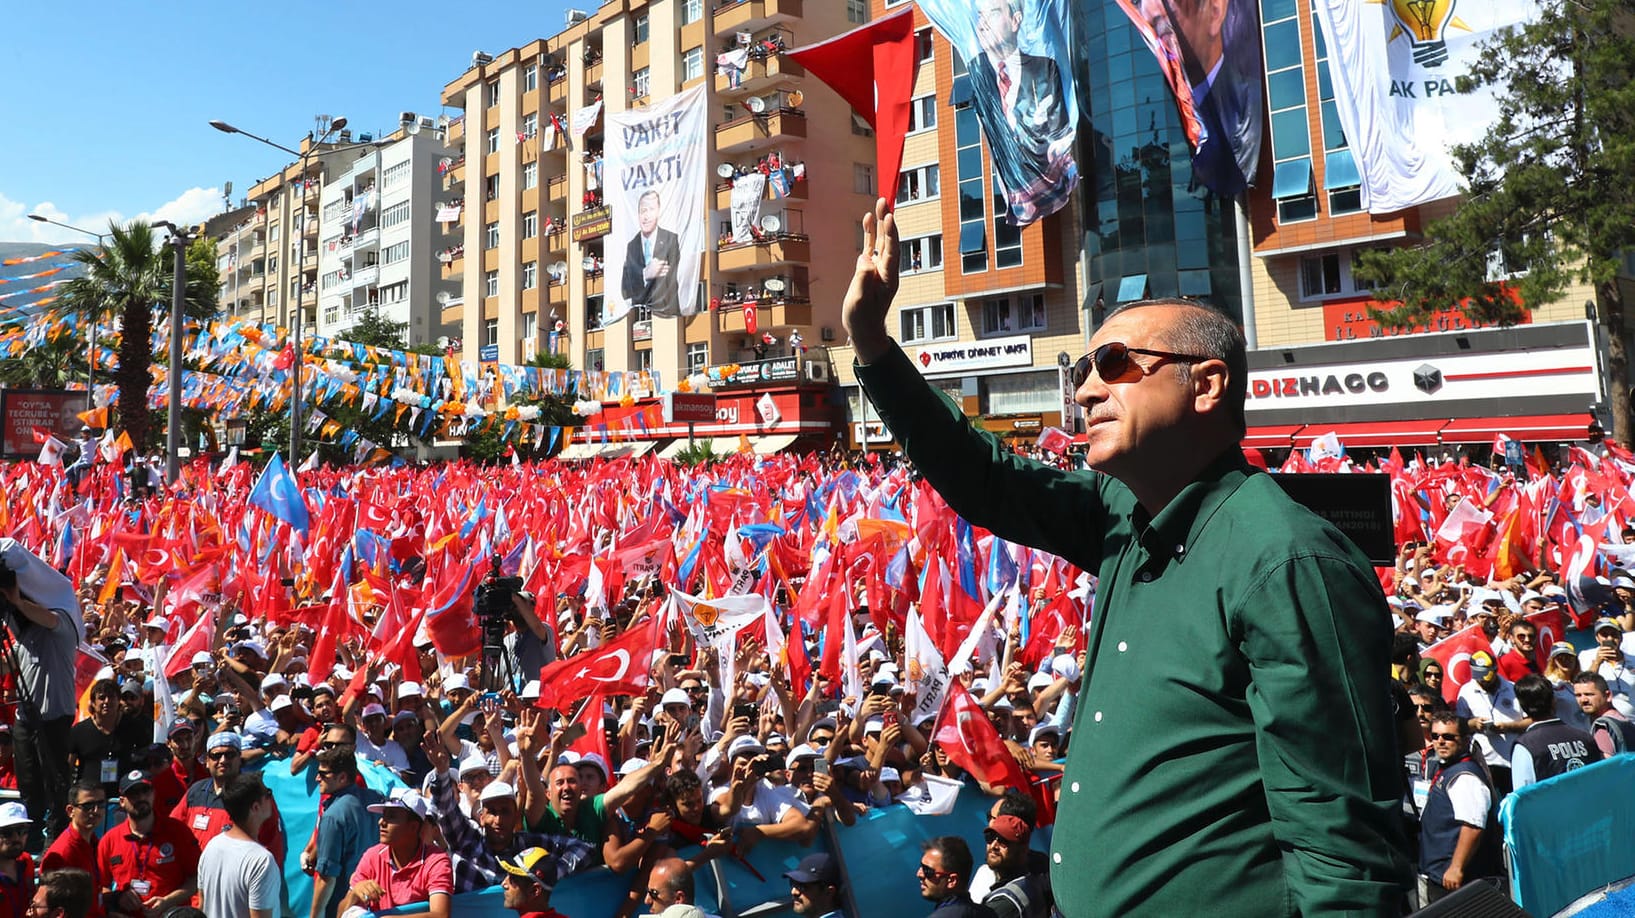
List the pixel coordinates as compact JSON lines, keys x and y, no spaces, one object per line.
{"x":1557,"y":748}
{"x":1439,"y":831}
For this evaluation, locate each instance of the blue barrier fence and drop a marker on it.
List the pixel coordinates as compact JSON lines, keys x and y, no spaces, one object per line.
{"x":1570,"y":836}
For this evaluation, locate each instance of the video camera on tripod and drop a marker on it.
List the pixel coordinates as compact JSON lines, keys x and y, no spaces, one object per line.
{"x":495,"y":605}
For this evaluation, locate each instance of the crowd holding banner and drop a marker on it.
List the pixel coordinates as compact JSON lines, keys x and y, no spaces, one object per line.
{"x":714,"y":631}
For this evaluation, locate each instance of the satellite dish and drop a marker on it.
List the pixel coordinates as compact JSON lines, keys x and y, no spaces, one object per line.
{"x":442,"y":122}
{"x":559,"y":271}
{"x":443,"y":297}
{"x":725,"y":170}
{"x":756,"y":104}
{"x":771,"y":223}
{"x":413,"y":126}
{"x":795,"y":98}
{"x":773,"y":284}
{"x":588,"y":263}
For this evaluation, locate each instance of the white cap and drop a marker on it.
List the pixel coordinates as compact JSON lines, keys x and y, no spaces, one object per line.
{"x":1039,"y":680}
{"x":471,"y":763}
{"x":409,"y":690}
{"x":274,"y":680}
{"x":1435,"y":615}
{"x":630,"y":765}
{"x":373,"y":710}
{"x":280,"y":703}
{"x":495,"y":790}
{"x":800,"y":752}
{"x":594,"y":758}
{"x":675,"y":696}
{"x":530,"y":692}
{"x":14,"y":813}
{"x":456,"y":682}
{"x":158,"y":621}
{"x":203,"y":656}
{"x":1041,"y":730}
{"x":404,"y":798}
{"x":744,"y":745}
{"x":873,"y":725}
{"x":888,"y":773}
{"x":1065,"y":665}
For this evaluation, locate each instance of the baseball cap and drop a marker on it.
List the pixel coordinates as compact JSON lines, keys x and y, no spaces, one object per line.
{"x":1560,"y":648}
{"x":675,"y":696}
{"x":14,"y":813}
{"x":744,"y":745}
{"x":683,"y":910}
{"x":1623,"y":580}
{"x":133,"y":779}
{"x":203,"y":658}
{"x":496,"y":790}
{"x":1606,"y":622}
{"x":255,"y":647}
{"x":456,"y":683}
{"x":628,"y":766}
{"x":815,"y":868}
{"x":180,"y":726}
{"x":534,"y":863}
{"x":373,"y":710}
{"x":472,"y":763}
{"x":403,"y":798}
{"x":1010,"y":828}
{"x":158,"y":621}
{"x":409,"y":690}
{"x":1065,"y":666}
{"x":594,"y":758}
{"x":280,"y":703}
{"x":1039,"y":681}
{"x":800,"y":752}
{"x":222,"y":740}
{"x":1041,"y":730}
{"x":1481,"y":665}
{"x":323,"y":688}
{"x":888,"y":773}
{"x":274,"y":680}
{"x":1435,"y":615}
{"x":530,"y":692}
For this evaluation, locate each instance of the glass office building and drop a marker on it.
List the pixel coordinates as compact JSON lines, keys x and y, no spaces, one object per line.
{"x":1149,"y":230}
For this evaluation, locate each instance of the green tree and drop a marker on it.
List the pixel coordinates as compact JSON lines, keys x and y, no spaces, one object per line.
{"x":1550,"y":195}
{"x":127,"y":277}
{"x":51,"y":364}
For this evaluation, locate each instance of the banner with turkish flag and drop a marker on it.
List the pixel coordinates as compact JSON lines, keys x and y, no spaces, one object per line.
{"x":1552,"y":627}
{"x":872,"y":69}
{"x":965,"y":735}
{"x":1454,"y":652}
{"x":619,"y":667}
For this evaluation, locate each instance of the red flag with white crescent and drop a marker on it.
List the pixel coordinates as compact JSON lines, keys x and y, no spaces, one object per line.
{"x":1454,"y":653}
{"x":965,"y":735}
{"x":619,"y":667}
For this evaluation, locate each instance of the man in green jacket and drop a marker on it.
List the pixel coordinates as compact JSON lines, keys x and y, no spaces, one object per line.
{"x":1232,"y":748}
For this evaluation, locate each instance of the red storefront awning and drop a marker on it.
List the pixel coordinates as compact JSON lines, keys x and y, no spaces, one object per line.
{"x":1548,"y":427}
{"x":1374,"y":433}
{"x":1272,"y":437}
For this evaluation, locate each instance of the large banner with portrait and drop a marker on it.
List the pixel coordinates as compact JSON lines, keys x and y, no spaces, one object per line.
{"x":1209,"y":53}
{"x":1018,"y":55}
{"x":1396,"y":67}
{"x":654,"y":184}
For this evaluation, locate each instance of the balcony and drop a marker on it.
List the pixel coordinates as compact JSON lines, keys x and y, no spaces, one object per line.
{"x":741,"y":135}
{"x":781,"y":314}
{"x":557,"y":92}
{"x":557,"y":190}
{"x":556,"y":294}
{"x":556,"y":241}
{"x":760,"y":74}
{"x":593,"y":74}
{"x":365,"y":276}
{"x":723,"y":194}
{"x":368,"y":238}
{"x":453,"y":169}
{"x":456,"y":133}
{"x":752,"y":14}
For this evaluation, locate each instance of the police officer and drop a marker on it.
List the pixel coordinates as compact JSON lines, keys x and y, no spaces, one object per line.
{"x":1549,"y":747}
{"x":1459,"y":837}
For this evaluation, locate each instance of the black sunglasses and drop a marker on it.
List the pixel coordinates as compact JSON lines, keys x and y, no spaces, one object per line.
{"x":1444,"y":736}
{"x":1112,"y":362}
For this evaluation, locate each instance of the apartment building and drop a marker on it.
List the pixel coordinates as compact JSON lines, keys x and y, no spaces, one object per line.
{"x":988,"y":311}
{"x":1322,"y":364}
{"x":378,"y":235}
{"x":525,"y":163}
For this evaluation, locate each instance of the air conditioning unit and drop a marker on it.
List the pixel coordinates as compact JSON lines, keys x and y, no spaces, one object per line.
{"x":817,"y":372}
{"x":530,"y":347}
{"x":574,"y":17}
{"x":428,"y":123}
{"x":827,"y":334}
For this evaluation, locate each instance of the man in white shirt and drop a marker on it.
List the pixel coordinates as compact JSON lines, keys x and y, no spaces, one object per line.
{"x":1488,"y":704}
{"x":762,"y":808}
{"x":237,"y":876}
{"x":1611,"y":660}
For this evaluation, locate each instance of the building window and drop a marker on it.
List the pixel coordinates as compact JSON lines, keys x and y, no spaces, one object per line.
{"x":395,"y":293}
{"x":1007,"y":315}
{"x":493,"y":92}
{"x":593,"y":312}
{"x":530,"y":175}
{"x":638,"y":29}
{"x":929,"y":323}
{"x":862,"y":178}
{"x":396,"y":252}
{"x":491,"y":283}
{"x":698,"y":357}
{"x":530,"y":78}
{"x":272,"y":264}
{"x":491,"y":332}
{"x":973,"y":211}
{"x":641,"y":82}
{"x":1021,"y":393}
{"x":530,"y":224}
{"x":1007,"y":239}
{"x":644,"y":361}
{"x":921,"y":183}
{"x":530,"y":327}
{"x":530,"y":124}
{"x":397,"y":213}
{"x":1320,"y":276}
{"x":395,"y":174}
{"x":925,"y":47}
{"x":272,"y":232}
{"x":595,"y":359}
{"x":922,"y":254}
{"x":860,"y":126}
{"x":692,"y":64}
{"x":491,"y":188}
{"x":691,"y":11}
{"x":922,"y":113}
{"x":491,"y":235}
{"x":492,"y":141}
{"x":857,"y":11}
{"x":530,"y":275}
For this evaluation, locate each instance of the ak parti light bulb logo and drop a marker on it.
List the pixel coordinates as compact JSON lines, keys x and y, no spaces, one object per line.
{"x":1426,"y":22}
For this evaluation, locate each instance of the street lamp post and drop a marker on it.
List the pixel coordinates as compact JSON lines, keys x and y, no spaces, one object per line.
{"x":325,"y":126}
{"x":91,"y":329}
{"x":179,"y":240}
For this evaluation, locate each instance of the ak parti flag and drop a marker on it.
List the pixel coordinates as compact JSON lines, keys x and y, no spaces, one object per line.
{"x":872,"y":68}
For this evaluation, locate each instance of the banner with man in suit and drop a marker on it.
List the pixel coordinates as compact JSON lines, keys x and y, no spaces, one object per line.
{"x":1209,"y":52}
{"x":654,"y":173}
{"x":1017,"y":54}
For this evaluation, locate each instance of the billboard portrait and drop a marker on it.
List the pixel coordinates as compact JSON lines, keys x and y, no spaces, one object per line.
{"x":655,"y":182}
{"x":1209,"y":53}
{"x":1016,"y":53}
{"x":1396,"y":68}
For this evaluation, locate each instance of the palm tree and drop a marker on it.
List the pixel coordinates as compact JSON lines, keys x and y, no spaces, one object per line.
{"x":128,"y":277}
{"x":49,"y":364}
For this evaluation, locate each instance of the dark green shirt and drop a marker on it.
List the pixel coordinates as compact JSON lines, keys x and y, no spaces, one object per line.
{"x":1232,"y":751}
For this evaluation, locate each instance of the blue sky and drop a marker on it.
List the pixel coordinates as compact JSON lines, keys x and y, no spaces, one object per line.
{"x":107,"y":102}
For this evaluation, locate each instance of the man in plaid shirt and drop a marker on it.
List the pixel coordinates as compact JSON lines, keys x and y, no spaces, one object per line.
{"x":477,"y":852}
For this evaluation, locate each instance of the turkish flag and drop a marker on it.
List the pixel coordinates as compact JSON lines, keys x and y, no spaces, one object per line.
{"x":751,"y":323}
{"x":1453,"y":653}
{"x":197,"y":637}
{"x":619,"y":667}
{"x":1552,"y":627}
{"x":872,"y":69}
{"x":965,"y":735}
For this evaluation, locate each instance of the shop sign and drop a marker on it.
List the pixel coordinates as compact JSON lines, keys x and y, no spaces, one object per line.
{"x":590,"y":224}
{"x":761,"y":372}
{"x":968,"y":356}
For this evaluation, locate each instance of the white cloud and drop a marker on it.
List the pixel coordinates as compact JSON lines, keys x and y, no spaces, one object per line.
{"x":192,"y":206}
